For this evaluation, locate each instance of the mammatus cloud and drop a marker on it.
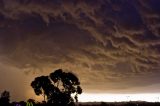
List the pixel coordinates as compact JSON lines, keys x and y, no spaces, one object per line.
{"x":110,"y":43}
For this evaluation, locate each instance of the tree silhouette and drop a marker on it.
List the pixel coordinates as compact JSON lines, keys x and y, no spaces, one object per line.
{"x":41,"y":85}
{"x":31,"y":101}
{"x":56,"y":76}
{"x":58,"y":87}
{"x":5,"y":98}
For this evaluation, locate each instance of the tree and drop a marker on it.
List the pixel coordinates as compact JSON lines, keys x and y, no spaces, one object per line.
{"x":5,"y":98}
{"x":41,"y":85}
{"x":31,"y":101}
{"x":58,"y":87}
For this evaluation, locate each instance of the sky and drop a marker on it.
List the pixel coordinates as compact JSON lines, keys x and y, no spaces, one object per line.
{"x":113,"y":46}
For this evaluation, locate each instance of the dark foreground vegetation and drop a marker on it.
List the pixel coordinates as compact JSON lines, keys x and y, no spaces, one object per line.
{"x":22,"y":103}
{"x":120,"y":104}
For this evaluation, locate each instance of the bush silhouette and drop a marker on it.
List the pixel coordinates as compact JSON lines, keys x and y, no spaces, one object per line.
{"x":5,"y":98}
{"x":58,"y":87}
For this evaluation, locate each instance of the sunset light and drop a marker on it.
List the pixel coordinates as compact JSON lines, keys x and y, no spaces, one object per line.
{"x":89,"y":97}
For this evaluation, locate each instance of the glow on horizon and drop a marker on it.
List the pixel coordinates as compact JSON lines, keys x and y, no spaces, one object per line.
{"x":93,"y":97}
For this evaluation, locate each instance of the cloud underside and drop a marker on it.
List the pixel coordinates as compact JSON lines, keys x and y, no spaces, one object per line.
{"x":111,"y":44}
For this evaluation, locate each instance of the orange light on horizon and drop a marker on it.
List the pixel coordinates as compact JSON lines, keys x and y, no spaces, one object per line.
{"x":97,"y":97}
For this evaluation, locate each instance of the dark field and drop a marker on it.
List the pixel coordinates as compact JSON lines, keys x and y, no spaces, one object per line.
{"x":95,"y":104}
{"x":121,"y":104}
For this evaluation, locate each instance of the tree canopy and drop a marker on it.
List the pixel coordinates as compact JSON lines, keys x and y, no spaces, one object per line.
{"x":59,"y":87}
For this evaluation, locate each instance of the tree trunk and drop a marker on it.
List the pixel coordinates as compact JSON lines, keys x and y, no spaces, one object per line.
{"x":44,"y":96}
{"x":57,"y":84}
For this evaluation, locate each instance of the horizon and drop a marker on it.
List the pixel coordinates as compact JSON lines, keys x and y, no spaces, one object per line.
{"x":147,"y":97}
{"x":109,"y":97}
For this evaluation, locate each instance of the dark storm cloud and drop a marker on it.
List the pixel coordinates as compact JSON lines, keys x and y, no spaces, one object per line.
{"x":104,"y":40}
